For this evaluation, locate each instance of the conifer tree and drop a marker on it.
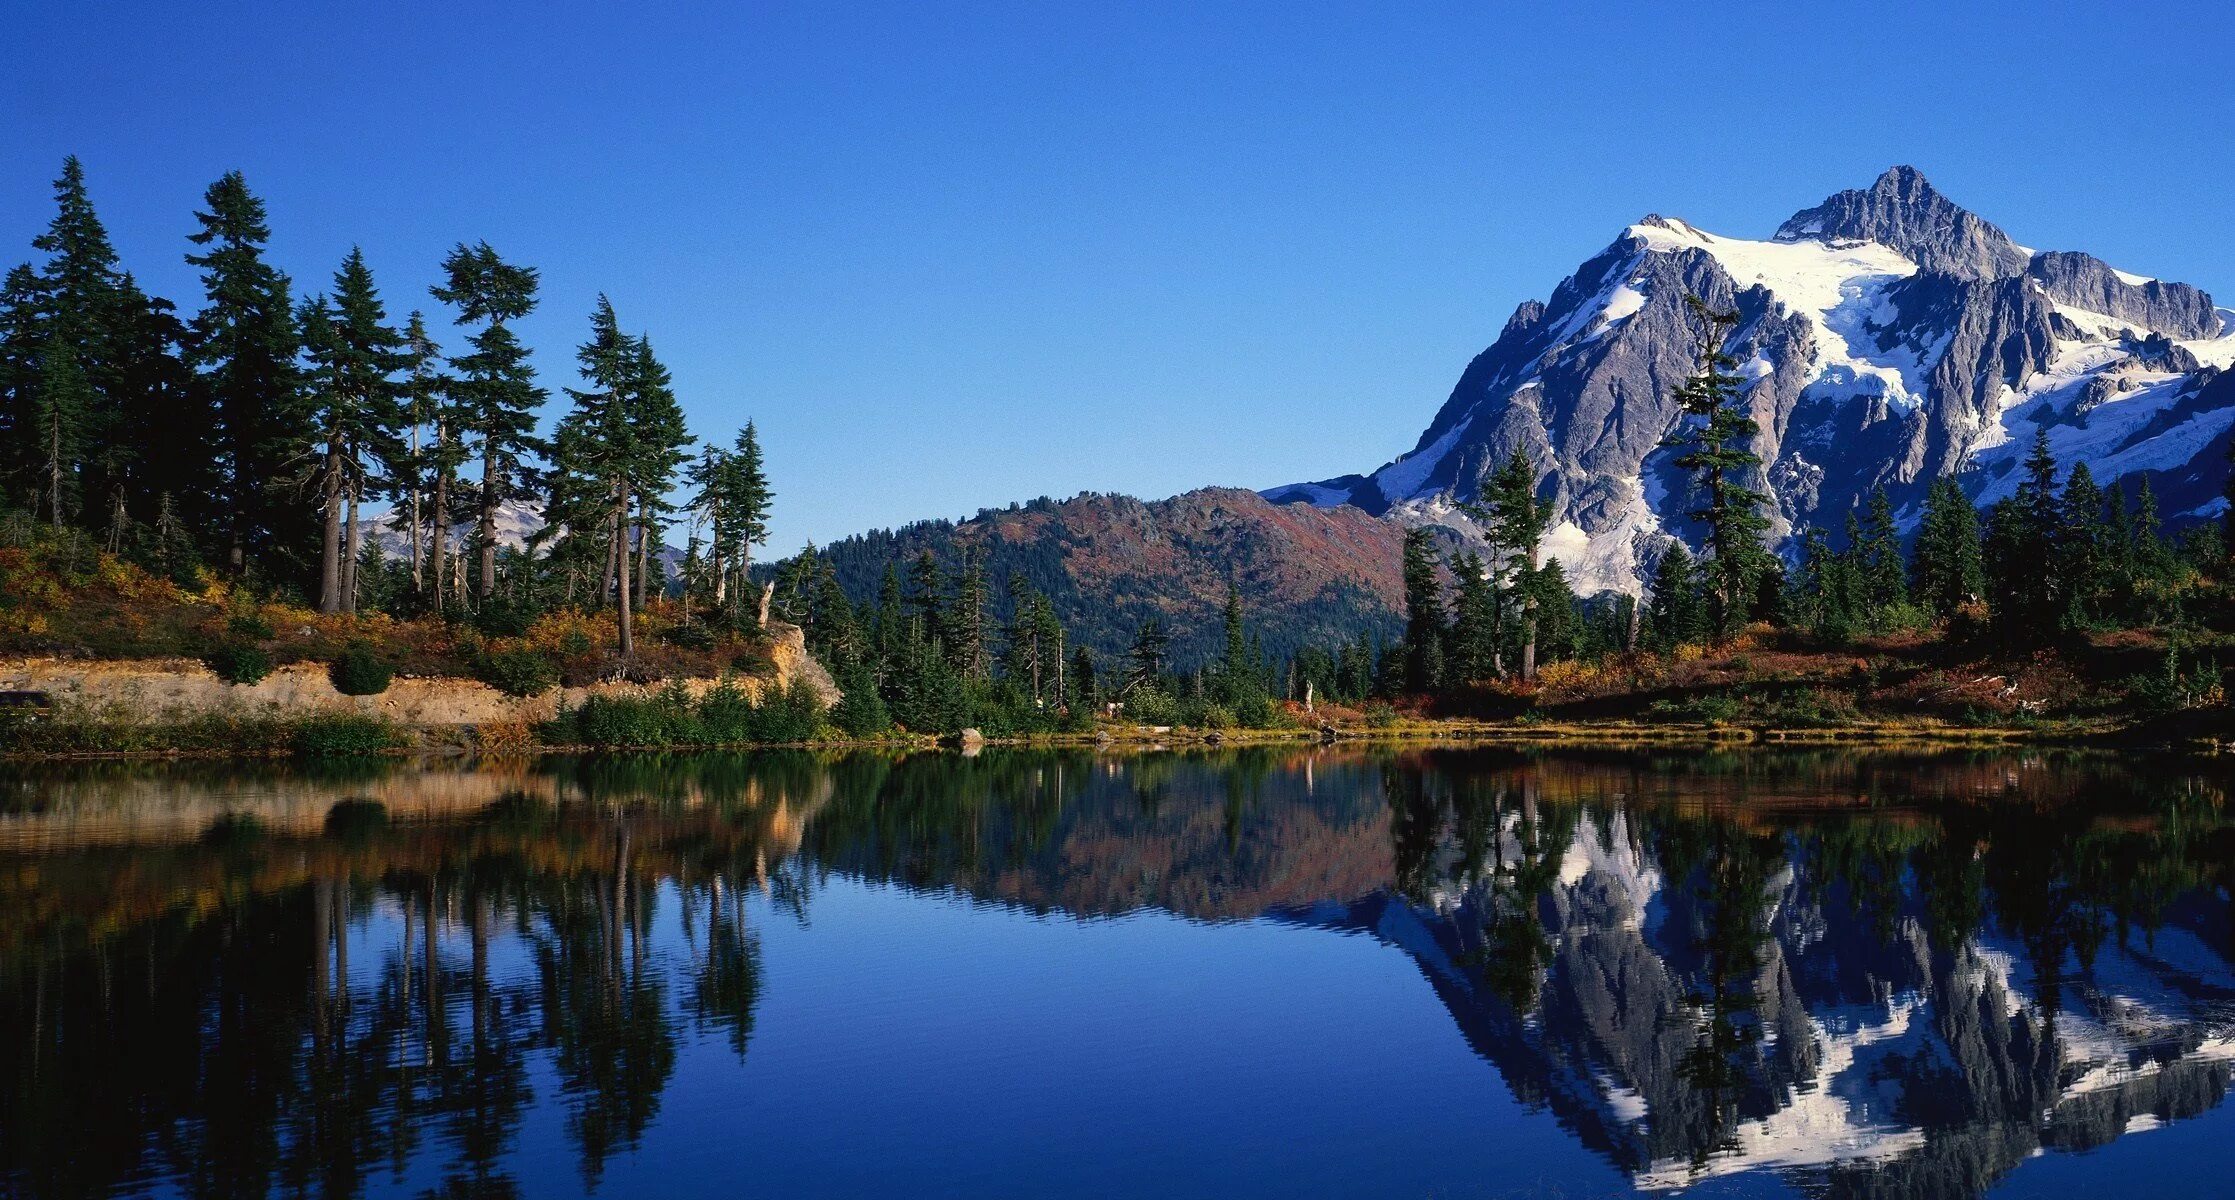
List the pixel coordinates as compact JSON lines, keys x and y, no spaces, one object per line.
{"x":85,"y":306}
{"x":160,"y":426}
{"x":58,"y":420}
{"x":707,"y":476}
{"x":1516,"y":523}
{"x":927,"y":599}
{"x":1883,"y":575}
{"x":2081,"y":550}
{"x":1474,"y":629}
{"x":496,"y":394}
{"x":963,"y":625}
{"x":244,"y":344}
{"x":2022,"y":556}
{"x":598,"y":448}
{"x":1947,"y":571}
{"x":22,"y":335}
{"x":1673,"y":609}
{"x":433,"y":454}
{"x":356,"y":409}
{"x":1081,"y":689}
{"x":662,"y":445}
{"x":1423,"y":650}
{"x":1719,"y":451}
{"x":1145,"y":661}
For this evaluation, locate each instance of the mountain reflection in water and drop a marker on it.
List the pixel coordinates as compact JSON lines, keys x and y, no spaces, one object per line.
{"x":1829,"y":973}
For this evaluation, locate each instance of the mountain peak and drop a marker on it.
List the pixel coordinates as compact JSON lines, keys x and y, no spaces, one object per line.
{"x":1902,"y":209}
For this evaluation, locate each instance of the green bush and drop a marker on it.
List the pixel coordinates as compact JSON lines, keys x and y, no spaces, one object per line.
{"x":1150,"y":706}
{"x":499,"y":617}
{"x":248,"y":627}
{"x":344,"y":733}
{"x":520,"y":672}
{"x":1380,"y":715}
{"x":238,"y":663}
{"x":360,"y":672}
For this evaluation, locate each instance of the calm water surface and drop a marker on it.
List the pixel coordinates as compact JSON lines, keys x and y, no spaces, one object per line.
{"x":1260,"y":973}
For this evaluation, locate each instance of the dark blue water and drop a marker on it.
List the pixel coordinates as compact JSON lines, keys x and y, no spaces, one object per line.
{"x":1253,"y":974}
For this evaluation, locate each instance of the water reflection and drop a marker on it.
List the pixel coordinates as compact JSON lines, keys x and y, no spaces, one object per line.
{"x":1846,"y":975}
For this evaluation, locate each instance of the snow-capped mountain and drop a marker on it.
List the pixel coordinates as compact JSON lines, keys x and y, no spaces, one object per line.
{"x":1887,"y":337}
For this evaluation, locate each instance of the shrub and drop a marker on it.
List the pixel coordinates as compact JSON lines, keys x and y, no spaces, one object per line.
{"x":1150,"y":706}
{"x":499,"y":617}
{"x":344,"y":733}
{"x":241,"y":664}
{"x":519,"y":672}
{"x":693,"y":636}
{"x":360,"y":672}
{"x":725,"y":714}
{"x":788,"y":714}
{"x":1380,"y":715}
{"x":248,"y":627}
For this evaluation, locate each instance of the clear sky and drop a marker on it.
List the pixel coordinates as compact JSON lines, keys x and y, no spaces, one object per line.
{"x":951,"y":255}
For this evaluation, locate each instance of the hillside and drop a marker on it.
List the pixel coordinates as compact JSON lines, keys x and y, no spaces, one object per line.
{"x":1309,"y":575}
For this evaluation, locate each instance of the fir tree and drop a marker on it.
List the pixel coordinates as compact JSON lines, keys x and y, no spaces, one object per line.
{"x":495,"y":393}
{"x":1947,"y":571}
{"x":244,"y":344}
{"x":1145,"y":661}
{"x":2081,"y":550}
{"x":1474,"y":622}
{"x":963,"y":625}
{"x":1673,"y":611}
{"x":1424,"y":630}
{"x":594,"y":451}
{"x":927,"y":597}
{"x":22,"y":335}
{"x":1885,"y":587}
{"x":434,"y":453}
{"x":2022,"y":556}
{"x":58,"y":420}
{"x":357,"y":410}
{"x":1516,"y":523}
{"x":1719,"y":451}
{"x":87,"y":314}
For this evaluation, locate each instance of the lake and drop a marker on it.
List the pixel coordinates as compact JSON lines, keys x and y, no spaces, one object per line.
{"x":1261,"y":972}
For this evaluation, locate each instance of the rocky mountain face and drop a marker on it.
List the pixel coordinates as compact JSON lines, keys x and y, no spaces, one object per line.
{"x":1311,"y":576}
{"x":1887,"y":337}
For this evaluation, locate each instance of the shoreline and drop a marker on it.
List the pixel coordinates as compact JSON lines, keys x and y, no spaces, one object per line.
{"x":1151,"y":740}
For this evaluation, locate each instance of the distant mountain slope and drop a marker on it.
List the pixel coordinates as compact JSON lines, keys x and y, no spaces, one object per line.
{"x":1888,"y":337}
{"x":1310,"y":575}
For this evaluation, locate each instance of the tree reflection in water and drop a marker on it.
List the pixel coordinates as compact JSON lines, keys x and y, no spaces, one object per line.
{"x":1878,"y":975}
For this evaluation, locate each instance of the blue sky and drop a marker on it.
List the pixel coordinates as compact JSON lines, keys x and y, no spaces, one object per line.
{"x":955,"y":255}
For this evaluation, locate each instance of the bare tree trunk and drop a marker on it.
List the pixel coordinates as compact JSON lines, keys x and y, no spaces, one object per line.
{"x":768,"y":593}
{"x":486,"y":532}
{"x":1529,"y":620}
{"x":1629,"y":643}
{"x":441,"y":517}
{"x":329,"y":553}
{"x":54,"y":470}
{"x":714,"y":538}
{"x":352,"y":544}
{"x":620,"y":528}
{"x":643,"y":552}
{"x":612,"y":559}
{"x":417,"y":580}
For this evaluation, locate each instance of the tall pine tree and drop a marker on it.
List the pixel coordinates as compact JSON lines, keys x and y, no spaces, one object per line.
{"x":244,"y":344}
{"x":496,"y":393}
{"x":1718,"y":450}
